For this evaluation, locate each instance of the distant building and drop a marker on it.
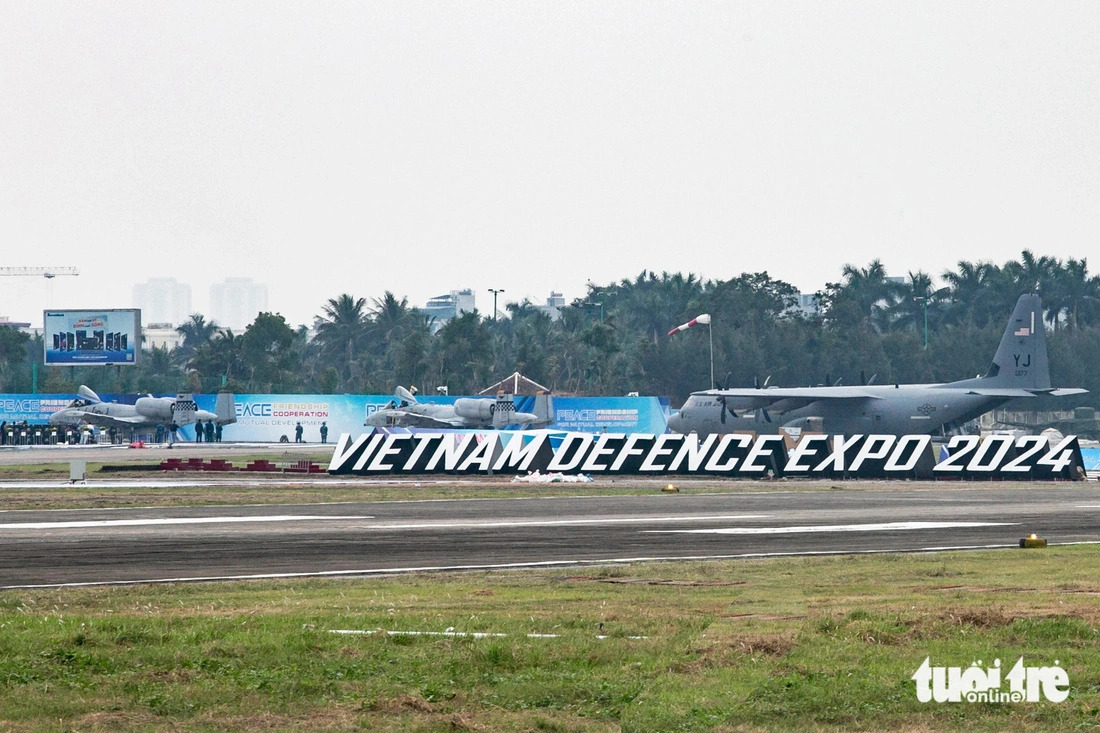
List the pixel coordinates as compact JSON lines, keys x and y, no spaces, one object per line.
{"x":161,"y":336}
{"x":236,"y":302}
{"x":163,"y":300}
{"x":809,"y":304}
{"x":553,"y":306}
{"x":5,"y":321}
{"x":443,"y":308}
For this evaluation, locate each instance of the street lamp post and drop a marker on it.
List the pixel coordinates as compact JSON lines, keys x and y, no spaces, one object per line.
{"x":924,"y":302}
{"x":495,"y":291}
{"x":590,"y":304}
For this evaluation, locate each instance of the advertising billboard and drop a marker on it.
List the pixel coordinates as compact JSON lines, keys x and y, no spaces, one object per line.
{"x":82,"y":337}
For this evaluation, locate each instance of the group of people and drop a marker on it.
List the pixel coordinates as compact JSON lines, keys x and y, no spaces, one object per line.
{"x":24,"y":433}
{"x":209,"y":431}
{"x":299,"y":431}
{"x":15,"y":433}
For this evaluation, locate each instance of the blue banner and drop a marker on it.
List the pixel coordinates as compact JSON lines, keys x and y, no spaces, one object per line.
{"x":271,"y":418}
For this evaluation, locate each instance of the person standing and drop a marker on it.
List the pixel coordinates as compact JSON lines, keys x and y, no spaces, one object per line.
{"x":218,"y":433}
{"x":198,"y":431}
{"x":298,"y":433}
{"x":209,"y":431}
{"x":324,"y":433}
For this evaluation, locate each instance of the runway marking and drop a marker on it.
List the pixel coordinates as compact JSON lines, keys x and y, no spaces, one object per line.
{"x":807,"y":529}
{"x":452,"y":632}
{"x":172,"y":520}
{"x":366,"y":573}
{"x":1089,"y":506}
{"x":564,"y":522}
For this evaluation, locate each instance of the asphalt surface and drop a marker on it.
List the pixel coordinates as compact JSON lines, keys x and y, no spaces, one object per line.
{"x":167,"y":544}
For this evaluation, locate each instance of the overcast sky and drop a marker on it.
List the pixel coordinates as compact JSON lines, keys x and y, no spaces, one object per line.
{"x":420,"y":147}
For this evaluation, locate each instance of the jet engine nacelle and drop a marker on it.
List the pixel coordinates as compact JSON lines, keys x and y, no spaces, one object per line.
{"x":155,"y":408}
{"x":472,"y":409}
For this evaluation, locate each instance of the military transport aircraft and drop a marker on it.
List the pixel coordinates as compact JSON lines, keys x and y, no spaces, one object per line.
{"x":405,"y":412}
{"x":146,"y":412}
{"x":1019,"y":369}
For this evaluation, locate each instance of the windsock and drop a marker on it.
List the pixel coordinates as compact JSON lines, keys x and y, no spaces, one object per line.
{"x":701,"y":320}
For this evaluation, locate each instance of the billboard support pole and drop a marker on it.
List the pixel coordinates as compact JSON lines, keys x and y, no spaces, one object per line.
{"x":34,"y":377}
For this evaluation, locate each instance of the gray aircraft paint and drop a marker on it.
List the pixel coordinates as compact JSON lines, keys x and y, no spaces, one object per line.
{"x":149,"y":411}
{"x":466,"y":412}
{"x":1020,"y":369}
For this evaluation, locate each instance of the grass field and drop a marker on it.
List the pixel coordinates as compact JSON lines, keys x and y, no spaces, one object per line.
{"x":783,"y":644}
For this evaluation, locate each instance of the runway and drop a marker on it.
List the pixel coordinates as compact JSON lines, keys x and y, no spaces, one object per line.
{"x":45,"y":548}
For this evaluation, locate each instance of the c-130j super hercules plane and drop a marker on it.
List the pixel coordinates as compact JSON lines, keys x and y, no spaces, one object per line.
{"x":1020,"y":369}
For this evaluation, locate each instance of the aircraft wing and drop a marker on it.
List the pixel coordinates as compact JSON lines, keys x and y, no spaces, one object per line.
{"x":403,"y":419}
{"x":785,"y":399}
{"x":107,"y":421}
{"x":1010,"y":392}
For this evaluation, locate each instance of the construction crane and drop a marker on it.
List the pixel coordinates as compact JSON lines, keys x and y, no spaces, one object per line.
{"x":47,"y":272}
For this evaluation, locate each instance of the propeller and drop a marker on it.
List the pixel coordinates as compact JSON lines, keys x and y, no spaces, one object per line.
{"x":725,"y":408}
{"x":726,"y":381}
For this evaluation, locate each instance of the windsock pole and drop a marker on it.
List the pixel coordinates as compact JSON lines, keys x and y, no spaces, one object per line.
{"x":701,"y":320}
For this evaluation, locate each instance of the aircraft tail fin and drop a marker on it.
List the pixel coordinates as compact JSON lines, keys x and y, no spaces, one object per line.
{"x":504,"y":411}
{"x":544,"y":408}
{"x":225,"y":407}
{"x":1021,"y":360}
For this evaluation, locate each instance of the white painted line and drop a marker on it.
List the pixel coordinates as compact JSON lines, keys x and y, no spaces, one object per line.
{"x":452,"y":632}
{"x":372,"y":572}
{"x":566,"y":522}
{"x":811,"y":528}
{"x":387,"y":632}
{"x":1089,"y":506}
{"x":173,"y":520}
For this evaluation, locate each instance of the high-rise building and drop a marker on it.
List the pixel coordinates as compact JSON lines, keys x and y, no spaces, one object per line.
{"x":236,"y":302}
{"x":163,"y":300}
{"x":443,"y":308}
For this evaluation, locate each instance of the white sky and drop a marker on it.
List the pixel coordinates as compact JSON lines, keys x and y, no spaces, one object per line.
{"x":421,"y":147}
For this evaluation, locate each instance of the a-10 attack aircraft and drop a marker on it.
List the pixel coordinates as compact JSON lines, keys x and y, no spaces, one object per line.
{"x":466,"y":412}
{"x":171,"y":412}
{"x":1020,"y":369}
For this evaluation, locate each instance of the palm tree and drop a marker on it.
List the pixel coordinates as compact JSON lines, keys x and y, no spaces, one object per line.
{"x":1031,"y":274}
{"x":971,"y":292}
{"x":1074,"y":292}
{"x":196,"y":332}
{"x":913,"y":301}
{"x":341,"y":333}
{"x":862,"y":297}
{"x":219,"y":360}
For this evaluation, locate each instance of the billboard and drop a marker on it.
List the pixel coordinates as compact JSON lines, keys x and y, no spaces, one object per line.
{"x":82,"y":337}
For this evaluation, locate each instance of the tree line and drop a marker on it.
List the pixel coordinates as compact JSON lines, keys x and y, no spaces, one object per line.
{"x":866,"y":327}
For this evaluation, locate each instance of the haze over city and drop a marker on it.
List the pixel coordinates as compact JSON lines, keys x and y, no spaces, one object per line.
{"x":422,"y":148}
